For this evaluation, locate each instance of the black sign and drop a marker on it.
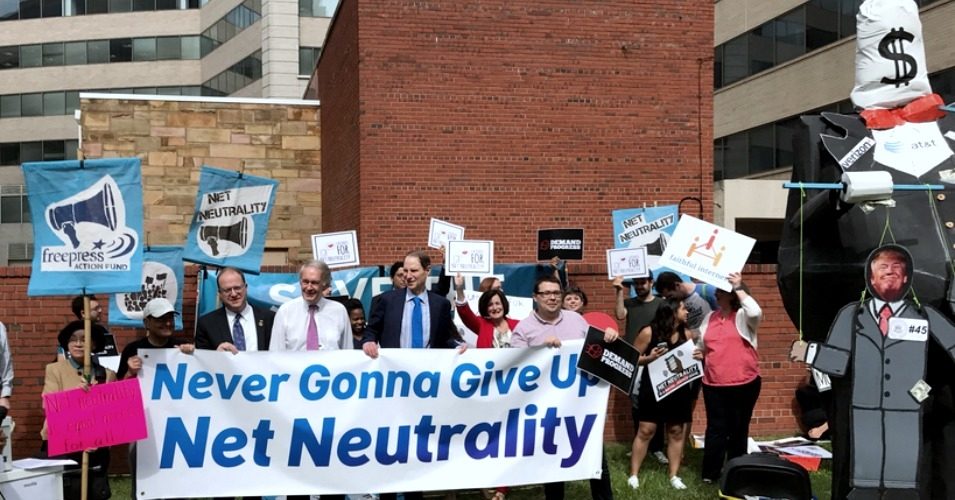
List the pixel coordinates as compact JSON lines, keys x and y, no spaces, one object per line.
{"x":615,"y":362}
{"x":568,"y":244}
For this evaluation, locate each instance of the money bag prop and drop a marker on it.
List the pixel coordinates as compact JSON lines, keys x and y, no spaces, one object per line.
{"x":897,"y":137}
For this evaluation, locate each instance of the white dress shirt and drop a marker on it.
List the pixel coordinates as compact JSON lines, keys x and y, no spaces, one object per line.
{"x":249,"y":330}
{"x":291,"y":326}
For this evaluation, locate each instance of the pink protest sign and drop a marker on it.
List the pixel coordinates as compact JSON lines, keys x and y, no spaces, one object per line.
{"x":108,"y":414}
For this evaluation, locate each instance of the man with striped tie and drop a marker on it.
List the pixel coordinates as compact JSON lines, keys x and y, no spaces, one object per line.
{"x":237,"y":325}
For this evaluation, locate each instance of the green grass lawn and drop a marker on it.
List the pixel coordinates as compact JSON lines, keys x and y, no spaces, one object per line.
{"x":654,"y":483}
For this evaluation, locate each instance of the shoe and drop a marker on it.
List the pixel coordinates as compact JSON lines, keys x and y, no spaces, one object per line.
{"x":661,"y":457}
{"x":633,"y":482}
{"x":677,"y":483}
{"x":707,"y":480}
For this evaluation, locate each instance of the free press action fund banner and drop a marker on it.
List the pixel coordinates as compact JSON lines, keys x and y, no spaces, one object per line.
{"x":338,"y":422}
{"x":87,"y":226}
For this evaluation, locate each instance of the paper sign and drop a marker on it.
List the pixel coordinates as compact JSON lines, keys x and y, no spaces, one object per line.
{"x":908,"y":329}
{"x":470,"y":257}
{"x":615,"y":362}
{"x":673,"y":370}
{"x":336,"y":249}
{"x":107,"y":415}
{"x":706,"y":251}
{"x":627,"y":262}
{"x":567,"y":244}
{"x":441,"y":232}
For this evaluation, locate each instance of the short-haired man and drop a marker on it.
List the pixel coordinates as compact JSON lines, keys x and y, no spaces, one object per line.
{"x":698,"y":299}
{"x":95,"y":308}
{"x":311,"y":322}
{"x":237,"y":325}
{"x":549,"y":325}
{"x":410,"y":317}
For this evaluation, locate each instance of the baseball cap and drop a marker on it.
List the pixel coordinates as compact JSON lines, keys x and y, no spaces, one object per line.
{"x":158,"y":307}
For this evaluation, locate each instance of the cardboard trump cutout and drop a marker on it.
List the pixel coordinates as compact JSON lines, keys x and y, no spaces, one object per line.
{"x":881,"y":344}
{"x":898,"y":137}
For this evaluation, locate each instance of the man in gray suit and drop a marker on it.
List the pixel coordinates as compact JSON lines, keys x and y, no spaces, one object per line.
{"x":882,"y":343}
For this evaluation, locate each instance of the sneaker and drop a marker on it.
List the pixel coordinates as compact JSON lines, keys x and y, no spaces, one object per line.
{"x":707,"y":480}
{"x":661,"y":457}
{"x":633,"y":482}
{"x":677,"y":483}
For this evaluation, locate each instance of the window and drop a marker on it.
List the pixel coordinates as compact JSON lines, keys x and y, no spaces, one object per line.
{"x":97,"y":6}
{"x":31,"y":104}
{"x":75,"y":53}
{"x":822,"y":23}
{"x":307,"y":57}
{"x":72,"y":99}
{"x":31,"y":56}
{"x":120,"y":5}
{"x":78,"y":7}
{"x":190,"y":47}
{"x":761,"y":49}
{"x":53,"y":150}
{"x":144,"y":5}
{"x":54,"y":103}
{"x":762,"y":149}
{"x":10,"y":153}
{"x":10,"y":106}
{"x":166,"y":4}
{"x":168,"y":48}
{"x":11,"y":206}
{"x":144,"y":49}
{"x":317,"y":8}
{"x":29,"y":9}
{"x":735,"y":66}
{"x":52,"y":8}
{"x":9,"y":10}
{"x":790,"y":36}
{"x":53,"y":54}
{"x":121,"y":50}
{"x":97,"y":51}
{"x":9,"y":57}
{"x":31,"y":151}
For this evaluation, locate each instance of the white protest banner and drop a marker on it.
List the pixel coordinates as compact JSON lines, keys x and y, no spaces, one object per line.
{"x":673,"y":370}
{"x":336,"y":249}
{"x":627,"y":263}
{"x":706,"y":251}
{"x":469,"y":257}
{"x":331,"y":422}
{"x":441,"y":232}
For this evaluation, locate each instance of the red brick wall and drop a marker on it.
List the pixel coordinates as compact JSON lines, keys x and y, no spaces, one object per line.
{"x":507,"y":117}
{"x":338,"y":90}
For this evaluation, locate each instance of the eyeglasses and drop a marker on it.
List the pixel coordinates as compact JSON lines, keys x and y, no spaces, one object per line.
{"x":235,"y":289}
{"x":77,"y":340}
{"x":555,"y":293}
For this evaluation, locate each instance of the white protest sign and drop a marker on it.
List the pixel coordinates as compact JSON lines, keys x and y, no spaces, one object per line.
{"x":627,"y":263}
{"x":441,"y":232}
{"x":673,"y":370}
{"x":336,"y":249}
{"x":518,"y":308}
{"x":332,"y":422}
{"x":469,"y":257}
{"x":706,"y":251}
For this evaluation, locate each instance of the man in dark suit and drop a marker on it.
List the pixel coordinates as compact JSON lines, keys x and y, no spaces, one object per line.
{"x":410,"y":317}
{"x":230,"y":327}
{"x":237,"y":325}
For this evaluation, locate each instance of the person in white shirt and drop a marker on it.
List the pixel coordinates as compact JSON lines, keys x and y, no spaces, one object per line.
{"x":311,"y":322}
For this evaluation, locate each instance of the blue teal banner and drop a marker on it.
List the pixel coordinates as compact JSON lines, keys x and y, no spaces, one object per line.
{"x":649,"y":227}
{"x":270,"y":290}
{"x":87,"y":226}
{"x":162,"y":276}
{"x":231,"y":219}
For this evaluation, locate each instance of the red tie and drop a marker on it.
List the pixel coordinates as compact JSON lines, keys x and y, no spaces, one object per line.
{"x":884,"y":314}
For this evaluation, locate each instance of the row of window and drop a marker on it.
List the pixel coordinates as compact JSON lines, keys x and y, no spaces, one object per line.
{"x":100,"y":51}
{"x":770,"y":146}
{"x":804,"y":29}
{"x":13,"y":205}
{"x":236,"y":20}
{"x":65,"y":102}
{"x":317,"y":8}
{"x":12,"y":10}
{"x":15,"y":153}
{"x":236,"y":77}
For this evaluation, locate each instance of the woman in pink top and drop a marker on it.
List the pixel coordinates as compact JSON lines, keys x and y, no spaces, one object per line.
{"x":731,"y":382}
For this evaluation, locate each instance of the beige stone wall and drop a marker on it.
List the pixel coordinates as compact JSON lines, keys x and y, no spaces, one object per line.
{"x":175,"y":138}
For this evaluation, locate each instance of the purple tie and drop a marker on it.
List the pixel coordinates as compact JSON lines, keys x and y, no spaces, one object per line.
{"x":311,"y":336}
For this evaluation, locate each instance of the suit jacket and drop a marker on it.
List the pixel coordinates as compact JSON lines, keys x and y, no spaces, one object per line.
{"x":384,"y":326}
{"x":213,"y":328}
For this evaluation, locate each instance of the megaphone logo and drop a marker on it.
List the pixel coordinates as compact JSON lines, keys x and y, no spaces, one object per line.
{"x":92,"y":225}
{"x":237,"y":234}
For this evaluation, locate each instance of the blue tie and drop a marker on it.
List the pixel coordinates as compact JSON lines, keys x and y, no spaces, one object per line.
{"x":417,"y":325}
{"x":238,"y":333}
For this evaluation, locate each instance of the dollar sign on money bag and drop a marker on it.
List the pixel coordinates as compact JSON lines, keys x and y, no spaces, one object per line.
{"x":892,"y":48}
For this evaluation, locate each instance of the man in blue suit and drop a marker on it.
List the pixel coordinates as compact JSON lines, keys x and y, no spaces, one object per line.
{"x":410,"y":317}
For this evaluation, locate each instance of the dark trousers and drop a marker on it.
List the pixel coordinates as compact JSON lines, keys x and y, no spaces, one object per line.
{"x":600,"y":489}
{"x":728,"y":412}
